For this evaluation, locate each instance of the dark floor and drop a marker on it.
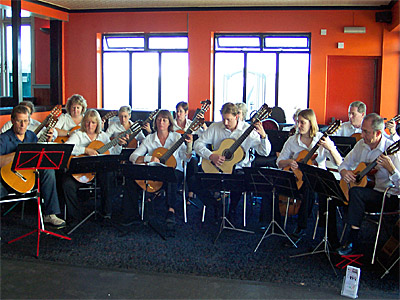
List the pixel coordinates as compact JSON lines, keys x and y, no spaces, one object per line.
{"x":38,"y":279}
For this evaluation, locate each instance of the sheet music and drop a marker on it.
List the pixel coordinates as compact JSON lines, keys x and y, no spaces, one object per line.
{"x":156,"y":164}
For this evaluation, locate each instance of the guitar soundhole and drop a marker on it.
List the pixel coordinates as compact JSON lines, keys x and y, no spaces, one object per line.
{"x":227,"y":154}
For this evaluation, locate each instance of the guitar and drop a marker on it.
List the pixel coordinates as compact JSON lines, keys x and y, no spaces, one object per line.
{"x":132,"y":142}
{"x":357,"y":136}
{"x":232,"y":149}
{"x":364,"y":169}
{"x":63,"y":139}
{"x":204,"y":107}
{"x":54,"y":114}
{"x":102,"y":148}
{"x":306,"y":157}
{"x":24,"y":180}
{"x":166,"y":157}
{"x":395,"y":119}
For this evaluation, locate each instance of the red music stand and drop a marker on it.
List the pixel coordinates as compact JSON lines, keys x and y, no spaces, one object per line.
{"x":40,"y":157}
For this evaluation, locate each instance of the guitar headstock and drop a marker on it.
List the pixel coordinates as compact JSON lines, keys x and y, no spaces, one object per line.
{"x":137,"y":125}
{"x":52,"y":123}
{"x":56,"y":112}
{"x":334,"y":127}
{"x":263,"y":113}
{"x":396,"y":118}
{"x":151,"y":116}
{"x":393,"y":148}
{"x":196,"y":124}
{"x":205,"y":105}
{"x":109,"y":115}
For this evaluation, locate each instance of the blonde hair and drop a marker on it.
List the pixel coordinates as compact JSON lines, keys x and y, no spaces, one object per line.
{"x":91,"y":113}
{"x":309,"y":115}
{"x":76,"y":99}
{"x":229,"y":108}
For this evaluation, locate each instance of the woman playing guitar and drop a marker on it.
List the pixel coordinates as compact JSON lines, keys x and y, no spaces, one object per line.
{"x":89,"y":134}
{"x":306,"y":138}
{"x":165,"y":137}
{"x":67,"y":123}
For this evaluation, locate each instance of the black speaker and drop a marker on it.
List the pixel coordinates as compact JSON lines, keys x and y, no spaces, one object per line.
{"x":383,"y":17}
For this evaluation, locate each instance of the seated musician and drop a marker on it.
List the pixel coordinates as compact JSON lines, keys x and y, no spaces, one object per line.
{"x":363,"y":198}
{"x":76,"y":107}
{"x":230,"y":127}
{"x":89,"y":132}
{"x":306,"y":138}
{"x":292,"y":129}
{"x":242,"y":111}
{"x":19,"y":133}
{"x":181,"y":124}
{"x":357,"y":111}
{"x":165,"y":137}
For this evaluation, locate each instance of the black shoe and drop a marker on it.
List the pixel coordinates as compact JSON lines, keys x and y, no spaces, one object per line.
{"x":297,"y":235}
{"x":170,"y":221}
{"x":346,"y":249}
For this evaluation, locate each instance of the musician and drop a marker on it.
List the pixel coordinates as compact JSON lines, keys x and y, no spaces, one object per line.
{"x":231,"y":127}
{"x":242,"y":111}
{"x":293,"y":129}
{"x":124,"y":123}
{"x":361,"y":199}
{"x":164,"y":136}
{"x":181,"y":124}
{"x":357,"y":111}
{"x":19,"y":133}
{"x":89,"y":132}
{"x":75,"y":107}
{"x":306,"y":138}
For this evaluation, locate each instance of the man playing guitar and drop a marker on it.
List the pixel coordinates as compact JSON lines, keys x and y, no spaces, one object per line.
{"x":357,"y":111}
{"x":371,"y":147}
{"x":231,"y":127}
{"x":18,"y":133}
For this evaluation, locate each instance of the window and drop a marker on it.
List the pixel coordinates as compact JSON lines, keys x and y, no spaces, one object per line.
{"x":145,"y":71}
{"x":6,"y":54}
{"x":262,"y":68}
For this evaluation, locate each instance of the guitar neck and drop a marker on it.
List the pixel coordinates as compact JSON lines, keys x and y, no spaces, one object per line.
{"x":367,"y":169}
{"x":313,"y":150}
{"x":174,"y":147}
{"x":40,"y":127}
{"x":114,"y":142}
{"x":241,"y":139}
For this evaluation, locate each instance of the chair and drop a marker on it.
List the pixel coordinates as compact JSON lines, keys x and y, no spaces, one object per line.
{"x":270,"y":124}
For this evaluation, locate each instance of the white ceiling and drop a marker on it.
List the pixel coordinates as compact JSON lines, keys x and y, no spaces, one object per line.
{"x":142,"y":4}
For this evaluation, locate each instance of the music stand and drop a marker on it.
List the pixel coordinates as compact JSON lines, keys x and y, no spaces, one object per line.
{"x":344,"y":144}
{"x":263,"y":180}
{"x":92,"y":164}
{"x":147,"y":173}
{"x":223,"y":182}
{"x":34,"y":156}
{"x":324,"y":183}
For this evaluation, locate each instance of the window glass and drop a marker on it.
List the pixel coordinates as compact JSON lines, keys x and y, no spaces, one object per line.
{"x":171,"y":42}
{"x":124,"y":42}
{"x":286,"y":42}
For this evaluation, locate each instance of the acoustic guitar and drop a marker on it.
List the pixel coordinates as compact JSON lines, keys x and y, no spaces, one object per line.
{"x":63,"y":139}
{"x":23,"y":181}
{"x":54,"y":114}
{"x":132,"y":142}
{"x":231,"y":148}
{"x":102,"y":148}
{"x":307,"y":157}
{"x":204,"y":107}
{"x":166,"y":157}
{"x":357,"y":136}
{"x":362,"y":171}
{"x":395,"y":119}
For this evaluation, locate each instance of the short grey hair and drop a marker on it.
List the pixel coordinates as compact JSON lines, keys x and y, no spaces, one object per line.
{"x":361,"y":107}
{"x":377,"y":122}
{"x":243,"y":108}
{"x":126,"y":109}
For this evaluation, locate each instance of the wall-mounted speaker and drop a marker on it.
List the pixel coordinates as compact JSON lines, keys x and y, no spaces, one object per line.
{"x":383,"y":16}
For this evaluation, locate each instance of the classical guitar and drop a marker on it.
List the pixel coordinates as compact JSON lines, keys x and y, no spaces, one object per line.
{"x":102,"y":148}
{"x":132,"y":142}
{"x":204,"y":107}
{"x":54,"y":114}
{"x":357,"y":136}
{"x":363,"y":170}
{"x":23,"y":181}
{"x":166,"y":157}
{"x":63,"y":139}
{"x":232,"y":149}
{"x":307,"y":157}
{"x":395,"y":119}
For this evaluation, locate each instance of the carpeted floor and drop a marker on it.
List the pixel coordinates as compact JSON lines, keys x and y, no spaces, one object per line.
{"x":192,"y":251}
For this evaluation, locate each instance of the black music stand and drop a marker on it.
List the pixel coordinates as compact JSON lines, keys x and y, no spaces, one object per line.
{"x":34,"y":156}
{"x":92,"y":164}
{"x":344,"y":144}
{"x":324,"y":183}
{"x":262,"y":180}
{"x":223,"y":182}
{"x":147,"y":173}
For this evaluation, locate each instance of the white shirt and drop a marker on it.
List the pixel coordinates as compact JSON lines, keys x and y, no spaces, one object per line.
{"x":217,"y":132}
{"x":65,"y":122}
{"x":152,"y":142}
{"x":363,"y":153}
{"x":346,"y":129}
{"x":293,"y":146}
{"x":82,"y":140}
{"x":116,"y":128}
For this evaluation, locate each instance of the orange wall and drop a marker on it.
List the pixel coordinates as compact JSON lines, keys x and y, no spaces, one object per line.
{"x":81,"y":30}
{"x":39,"y":116}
